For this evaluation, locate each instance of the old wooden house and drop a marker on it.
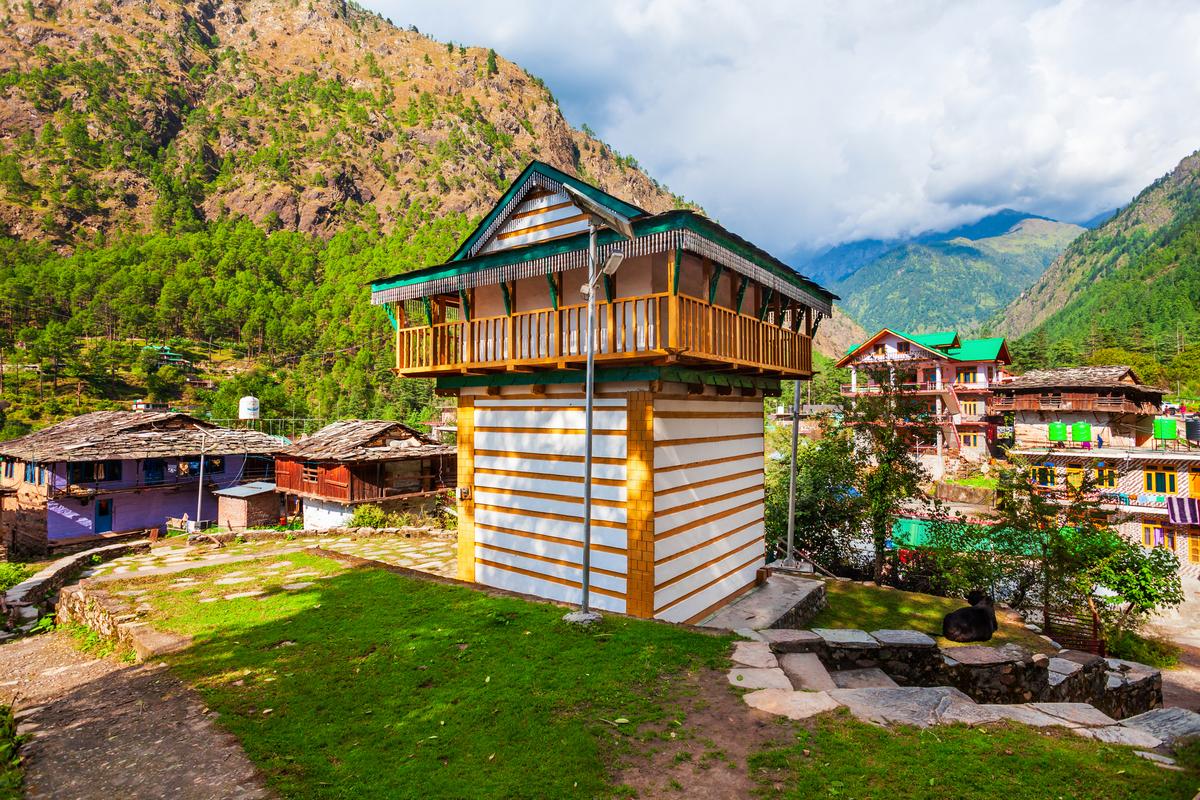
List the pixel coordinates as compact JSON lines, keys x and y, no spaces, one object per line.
{"x":352,"y":462}
{"x":111,"y":473}
{"x":692,"y":331}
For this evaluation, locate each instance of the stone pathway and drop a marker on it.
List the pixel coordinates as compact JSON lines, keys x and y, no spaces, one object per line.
{"x":435,"y":556}
{"x":101,"y":730}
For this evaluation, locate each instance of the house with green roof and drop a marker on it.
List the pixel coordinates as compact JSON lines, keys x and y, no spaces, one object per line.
{"x":954,"y":374}
{"x":694,"y":326}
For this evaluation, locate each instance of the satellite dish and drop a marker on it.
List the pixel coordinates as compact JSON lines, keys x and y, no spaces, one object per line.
{"x":611,"y":219}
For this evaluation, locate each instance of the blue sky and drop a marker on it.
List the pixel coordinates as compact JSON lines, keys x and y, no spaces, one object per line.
{"x":803,"y":124}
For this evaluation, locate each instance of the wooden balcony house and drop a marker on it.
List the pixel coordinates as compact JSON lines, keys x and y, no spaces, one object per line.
{"x":695,"y":327}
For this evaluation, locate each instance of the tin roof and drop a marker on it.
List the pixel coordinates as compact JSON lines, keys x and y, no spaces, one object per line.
{"x":247,"y":489}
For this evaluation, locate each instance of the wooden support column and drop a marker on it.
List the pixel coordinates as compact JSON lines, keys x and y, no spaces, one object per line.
{"x":508,"y":289}
{"x":466,"y":488}
{"x":639,"y":489}
{"x":673,"y":262}
{"x":741,"y":294}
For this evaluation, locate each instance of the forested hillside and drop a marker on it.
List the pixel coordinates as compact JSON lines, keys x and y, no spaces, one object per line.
{"x":958,"y":283}
{"x":225,"y":177}
{"x":1125,"y":293}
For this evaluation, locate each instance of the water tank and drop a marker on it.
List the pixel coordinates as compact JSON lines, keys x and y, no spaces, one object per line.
{"x":248,"y":408}
{"x":1058,"y":431}
{"x":1193,"y":429}
{"x":1081,"y":432}
{"x":1165,"y":429}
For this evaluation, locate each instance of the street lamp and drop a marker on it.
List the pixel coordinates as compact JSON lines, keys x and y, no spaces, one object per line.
{"x":598,"y":217}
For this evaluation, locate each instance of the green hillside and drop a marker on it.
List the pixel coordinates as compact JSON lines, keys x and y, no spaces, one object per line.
{"x":957,"y":284}
{"x":1132,"y":290}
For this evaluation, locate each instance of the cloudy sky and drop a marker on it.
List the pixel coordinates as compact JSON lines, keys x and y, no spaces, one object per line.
{"x":802,"y":124}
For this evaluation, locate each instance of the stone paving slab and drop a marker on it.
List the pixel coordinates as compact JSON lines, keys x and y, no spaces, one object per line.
{"x":754,"y":654}
{"x":1169,"y":724}
{"x":1119,"y":734}
{"x":752,"y":678}
{"x":865,"y":678}
{"x":791,"y":704}
{"x":905,"y":705}
{"x":904,"y":638}
{"x":846,"y":637}
{"x":1076,"y":713}
{"x":806,"y":671}
{"x":786,"y":640}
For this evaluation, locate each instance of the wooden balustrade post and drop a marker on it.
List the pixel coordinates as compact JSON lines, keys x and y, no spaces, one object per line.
{"x":610,"y":321}
{"x":673,"y":324}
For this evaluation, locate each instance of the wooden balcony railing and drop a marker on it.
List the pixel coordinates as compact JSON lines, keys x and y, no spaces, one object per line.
{"x":637,"y":329}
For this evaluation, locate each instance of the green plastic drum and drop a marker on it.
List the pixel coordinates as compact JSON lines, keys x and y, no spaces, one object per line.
{"x":1081,"y":432}
{"x":1166,"y":429}
{"x":1058,"y":431}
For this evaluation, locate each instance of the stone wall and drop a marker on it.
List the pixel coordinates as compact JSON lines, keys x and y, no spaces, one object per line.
{"x":253,"y":535}
{"x":114,"y":618}
{"x":989,"y":675}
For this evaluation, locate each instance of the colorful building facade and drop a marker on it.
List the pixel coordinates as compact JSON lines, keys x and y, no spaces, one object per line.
{"x":1105,"y":424}
{"x":693,"y":330}
{"x":955,"y":377}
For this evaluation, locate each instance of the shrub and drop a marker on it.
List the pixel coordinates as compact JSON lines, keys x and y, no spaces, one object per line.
{"x":1148,"y":650}
{"x":11,"y":574}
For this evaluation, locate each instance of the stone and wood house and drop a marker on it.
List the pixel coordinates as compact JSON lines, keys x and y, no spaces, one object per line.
{"x":110,"y":473}
{"x":348,"y":463}
{"x":693,"y":330}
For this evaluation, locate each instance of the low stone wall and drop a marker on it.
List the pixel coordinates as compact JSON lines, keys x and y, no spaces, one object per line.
{"x":357,"y":533}
{"x":811,"y":604}
{"x":970,"y":495}
{"x":24,"y":603}
{"x":989,"y":675}
{"x":114,"y":617}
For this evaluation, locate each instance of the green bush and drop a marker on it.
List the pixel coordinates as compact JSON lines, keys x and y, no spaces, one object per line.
{"x":10,"y":760}
{"x":1148,"y":650}
{"x":11,"y":574}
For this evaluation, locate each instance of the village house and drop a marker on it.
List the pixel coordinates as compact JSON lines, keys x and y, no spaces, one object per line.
{"x":249,"y":505}
{"x":1103,"y":422}
{"x":694,"y":328}
{"x":360,"y":461}
{"x":111,"y":473}
{"x":955,"y":377}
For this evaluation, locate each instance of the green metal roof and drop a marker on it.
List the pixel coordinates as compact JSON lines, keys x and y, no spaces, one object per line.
{"x":990,"y":349}
{"x":603,"y":198}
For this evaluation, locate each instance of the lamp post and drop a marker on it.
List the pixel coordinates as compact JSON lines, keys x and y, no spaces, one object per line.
{"x":598,"y":216}
{"x":789,"y":558}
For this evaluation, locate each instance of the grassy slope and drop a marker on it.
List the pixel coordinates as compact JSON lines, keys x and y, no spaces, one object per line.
{"x":852,"y":605}
{"x":370,"y":684}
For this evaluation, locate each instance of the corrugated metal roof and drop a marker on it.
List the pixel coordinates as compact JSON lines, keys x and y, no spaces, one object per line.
{"x":246,"y":489}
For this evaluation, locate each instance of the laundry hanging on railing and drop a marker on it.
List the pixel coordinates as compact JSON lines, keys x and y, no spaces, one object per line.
{"x":1183,"y":510}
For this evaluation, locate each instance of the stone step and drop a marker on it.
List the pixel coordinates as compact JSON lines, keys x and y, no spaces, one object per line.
{"x":867,"y":678}
{"x":806,"y":671}
{"x":783,"y":601}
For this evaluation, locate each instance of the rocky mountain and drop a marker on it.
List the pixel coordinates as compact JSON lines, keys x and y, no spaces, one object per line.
{"x":120,"y":115}
{"x":1133,"y":237}
{"x":956,"y":280}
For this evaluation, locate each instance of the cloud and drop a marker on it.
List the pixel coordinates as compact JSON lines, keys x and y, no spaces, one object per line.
{"x":802,"y":124}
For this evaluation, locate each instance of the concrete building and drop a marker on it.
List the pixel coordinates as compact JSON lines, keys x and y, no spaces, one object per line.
{"x":695,"y":328}
{"x":955,"y":376}
{"x":111,"y":473}
{"x":1105,"y":423}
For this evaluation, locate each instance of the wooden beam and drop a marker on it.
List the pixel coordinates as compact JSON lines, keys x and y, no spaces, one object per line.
{"x":768,"y":296}
{"x":428,"y":309}
{"x":713,"y":281}
{"x":610,"y":287}
{"x":464,"y":304}
{"x":506,"y":290}
{"x":552,"y":279}
{"x":741,"y":294}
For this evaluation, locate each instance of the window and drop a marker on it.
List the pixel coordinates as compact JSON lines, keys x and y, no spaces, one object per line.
{"x":902,"y":347}
{"x":1043,"y":476}
{"x":93,"y":471}
{"x":213,"y":465}
{"x":309,"y":472}
{"x":1074,"y":475}
{"x":879,"y":349}
{"x":1106,"y":477}
{"x":1155,"y":534}
{"x":969,"y":439}
{"x":10,"y":468}
{"x":30,"y":473}
{"x":1160,"y":479}
{"x":1193,"y":482}
{"x":965,"y":375}
{"x":970,"y":407}
{"x":1194,"y":548}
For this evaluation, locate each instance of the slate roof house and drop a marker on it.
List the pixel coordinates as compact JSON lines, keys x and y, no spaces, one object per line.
{"x":692,"y":330}
{"x":109,"y":473}
{"x":352,"y":462}
{"x":955,"y":375}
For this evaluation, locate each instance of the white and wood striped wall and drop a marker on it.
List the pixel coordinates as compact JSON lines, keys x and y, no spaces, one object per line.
{"x":708,"y":502}
{"x":528,"y":497}
{"x":541,"y":216}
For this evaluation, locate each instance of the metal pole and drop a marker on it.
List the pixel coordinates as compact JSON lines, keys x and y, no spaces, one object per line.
{"x":789,"y":558}
{"x":589,"y":389}
{"x":200,"y":486}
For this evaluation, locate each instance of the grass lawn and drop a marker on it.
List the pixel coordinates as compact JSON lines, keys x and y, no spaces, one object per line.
{"x":370,"y":684}
{"x":977,"y":481}
{"x":852,"y":605}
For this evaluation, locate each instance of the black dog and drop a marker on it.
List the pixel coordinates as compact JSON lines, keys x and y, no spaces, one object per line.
{"x":974,"y":624}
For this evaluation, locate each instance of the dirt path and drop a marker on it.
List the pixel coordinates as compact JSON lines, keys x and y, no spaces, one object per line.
{"x":100,"y":729}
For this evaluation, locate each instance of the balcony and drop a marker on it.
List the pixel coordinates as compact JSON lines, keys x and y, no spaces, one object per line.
{"x":655,"y":328}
